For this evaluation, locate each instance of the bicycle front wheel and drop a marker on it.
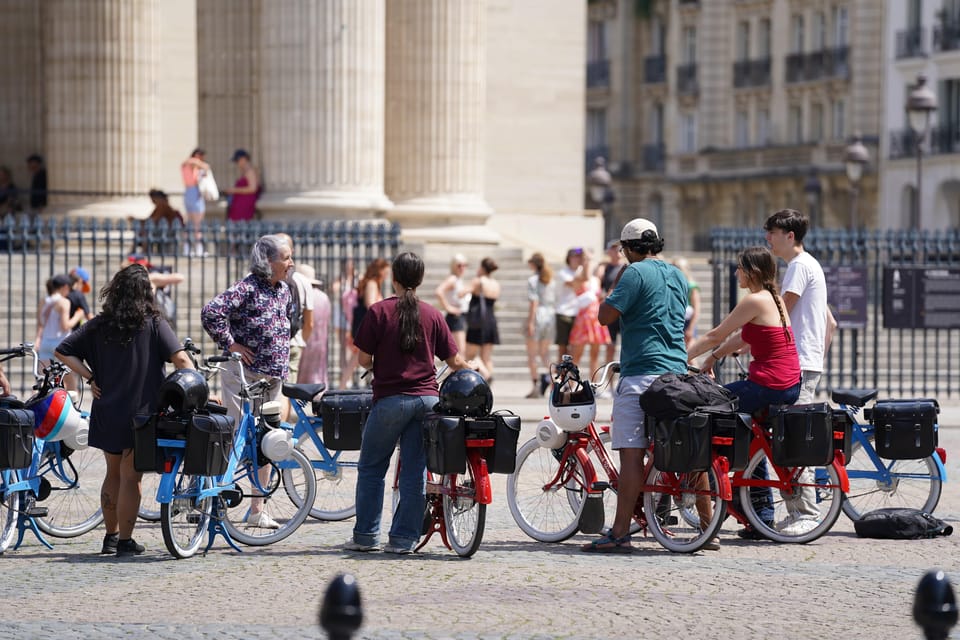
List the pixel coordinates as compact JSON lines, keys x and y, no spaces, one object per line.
{"x":914,"y":484}
{"x":185,"y":519}
{"x":803,"y":513}
{"x":676,"y":495}
{"x":149,"y":507}
{"x":289,"y":489}
{"x":463,"y":516}
{"x":337,"y":489}
{"x":74,"y":478}
{"x":543,"y":509}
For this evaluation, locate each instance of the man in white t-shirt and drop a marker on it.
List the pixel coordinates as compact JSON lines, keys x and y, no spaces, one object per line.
{"x":569,"y":279}
{"x":299,"y":340}
{"x":804,"y":291}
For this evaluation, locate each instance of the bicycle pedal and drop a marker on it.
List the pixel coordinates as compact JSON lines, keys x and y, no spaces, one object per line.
{"x":36,"y":512}
{"x":600,"y":486}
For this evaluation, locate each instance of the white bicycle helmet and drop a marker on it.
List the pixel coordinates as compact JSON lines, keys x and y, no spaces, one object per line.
{"x":572,"y":405}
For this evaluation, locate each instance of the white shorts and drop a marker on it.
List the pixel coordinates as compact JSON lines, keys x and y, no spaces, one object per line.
{"x":627,"y":430}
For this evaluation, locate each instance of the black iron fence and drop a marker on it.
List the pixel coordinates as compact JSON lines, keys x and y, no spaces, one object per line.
{"x":896,"y":295}
{"x":32,"y":249}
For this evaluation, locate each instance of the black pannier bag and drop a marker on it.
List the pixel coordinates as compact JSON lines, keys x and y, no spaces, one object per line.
{"x":209,"y":443}
{"x":843,"y":433}
{"x":735,"y":427}
{"x":803,"y":435}
{"x":344,"y":414}
{"x":682,"y":444}
{"x":679,"y":394}
{"x":905,"y":429}
{"x":900,"y":524}
{"x":147,"y":429}
{"x":502,"y":457}
{"x":16,"y":437}
{"x":444,"y":439}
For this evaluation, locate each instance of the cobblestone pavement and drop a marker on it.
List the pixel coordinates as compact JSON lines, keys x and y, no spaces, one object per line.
{"x":837,"y":587}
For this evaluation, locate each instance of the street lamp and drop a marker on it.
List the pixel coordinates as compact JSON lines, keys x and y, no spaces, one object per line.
{"x":599,"y":183}
{"x":921,"y":103}
{"x":855,"y":158}
{"x":812,"y":190}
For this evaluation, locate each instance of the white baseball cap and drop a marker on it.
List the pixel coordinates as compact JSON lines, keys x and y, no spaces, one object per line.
{"x":634,"y":229}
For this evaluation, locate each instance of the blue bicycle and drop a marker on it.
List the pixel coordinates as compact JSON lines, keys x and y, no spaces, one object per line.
{"x":876,"y":482}
{"x":194,"y":507}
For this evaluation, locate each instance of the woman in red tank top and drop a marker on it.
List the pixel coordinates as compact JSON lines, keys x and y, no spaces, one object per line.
{"x":764,"y":327}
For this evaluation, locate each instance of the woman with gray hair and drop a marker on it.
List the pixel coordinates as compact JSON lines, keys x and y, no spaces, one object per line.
{"x":250,"y":318}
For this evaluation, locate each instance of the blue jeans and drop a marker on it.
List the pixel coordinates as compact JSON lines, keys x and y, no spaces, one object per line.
{"x":753,"y":397}
{"x":392,"y":419}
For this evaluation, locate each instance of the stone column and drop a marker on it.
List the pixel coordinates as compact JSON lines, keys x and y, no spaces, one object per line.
{"x":102,"y":128}
{"x":322,"y":102}
{"x":436,"y":80}
{"x":21,"y":67}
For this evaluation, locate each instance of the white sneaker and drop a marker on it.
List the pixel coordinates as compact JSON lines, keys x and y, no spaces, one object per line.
{"x":261,"y":521}
{"x":799,"y":527}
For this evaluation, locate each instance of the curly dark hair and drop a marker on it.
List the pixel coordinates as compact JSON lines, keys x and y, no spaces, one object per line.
{"x":128,"y":302}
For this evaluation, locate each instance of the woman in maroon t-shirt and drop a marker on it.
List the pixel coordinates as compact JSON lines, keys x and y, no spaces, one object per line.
{"x":398,"y":338}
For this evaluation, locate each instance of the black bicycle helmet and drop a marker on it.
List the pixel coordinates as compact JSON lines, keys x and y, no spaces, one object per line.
{"x":465,"y":393}
{"x":183,"y":391}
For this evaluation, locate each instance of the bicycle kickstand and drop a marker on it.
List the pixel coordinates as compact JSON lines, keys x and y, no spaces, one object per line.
{"x":215,"y":526}
{"x":25,"y":523}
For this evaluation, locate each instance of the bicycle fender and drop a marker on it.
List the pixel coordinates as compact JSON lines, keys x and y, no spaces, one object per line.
{"x":167,"y":480}
{"x":484,"y":491}
{"x":939,"y":457}
{"x":842,"y":475}
{"x":589,"y":471}
{"x":721,"y":469}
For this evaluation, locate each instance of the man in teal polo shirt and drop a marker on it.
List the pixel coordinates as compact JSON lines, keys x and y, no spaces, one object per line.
{"x":649,"y":299}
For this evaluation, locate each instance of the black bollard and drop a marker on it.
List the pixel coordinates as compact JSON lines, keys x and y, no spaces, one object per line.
{"x":341,"y":613}
{"x":934,"y":605}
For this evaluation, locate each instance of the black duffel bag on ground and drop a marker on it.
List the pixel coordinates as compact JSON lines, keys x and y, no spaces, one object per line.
{"x":900,"y":524}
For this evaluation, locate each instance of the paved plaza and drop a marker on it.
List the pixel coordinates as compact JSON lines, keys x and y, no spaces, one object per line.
{"x":837,"y":587}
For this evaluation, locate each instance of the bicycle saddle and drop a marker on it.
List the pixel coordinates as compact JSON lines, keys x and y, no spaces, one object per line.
{"x":853,"y":397}
{"x":305,"y":392}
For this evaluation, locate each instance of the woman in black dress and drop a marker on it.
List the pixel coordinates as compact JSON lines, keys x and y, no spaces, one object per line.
{"x":482,"y":331}
{"x":121,"y":354}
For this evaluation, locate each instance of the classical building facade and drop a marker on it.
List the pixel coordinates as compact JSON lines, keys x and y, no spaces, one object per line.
{"x":921,"y":38}
{"x":717,"y":112}
{"x":462,"y":121}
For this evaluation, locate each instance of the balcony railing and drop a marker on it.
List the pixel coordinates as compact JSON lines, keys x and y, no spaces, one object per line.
{"x":910,"y":43}
{"x":654,"y":157}
{"x":751,"y":73}
{"x":655,"y":69}
{"x":945,"y":139}
{"x":942,"y":140}
{"x":946,"y":35}
{"x":687,"y":79}
{"x":818,"y":65}
{"x":598,"y":73}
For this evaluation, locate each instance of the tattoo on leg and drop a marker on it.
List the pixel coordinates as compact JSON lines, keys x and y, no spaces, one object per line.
{"x":107,"y":502}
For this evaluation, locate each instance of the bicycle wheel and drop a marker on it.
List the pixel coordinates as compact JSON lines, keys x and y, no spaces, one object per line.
{"x":336,"y":490}
{"x":542,"y":508}
{"x":914,"y":484}
{"x":462,"y":514}
{"x":826,"y":499}
{"x":149,"y":507}
{"x":75,"y":478}
{"x":185,"y":519}
{"x":287,"y":505}
{"x":675,"y":494}
{"x":9,"y":511}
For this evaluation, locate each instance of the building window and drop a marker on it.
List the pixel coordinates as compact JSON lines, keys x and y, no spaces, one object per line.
{"x":948,"y":114}
{"x":818,"y":35}
{"x":741,"y":133}
{"x":596,"y":41}
{"x":763,"y":127}
{"x":763,"y":39}
{"x":840,"y":26}
{"x":796,"y":33}
{"x":657,"y":36}
{"x":596,"y":128}
{"x":839,"y":109}
{"x":689,"y":45}
{"x":656,"y":124}
{"x":743,"y":40}
{"x":795,"y":124}
{"x":688,"y":133}
{"x":914,"y":14}
{"x":816,"y":122}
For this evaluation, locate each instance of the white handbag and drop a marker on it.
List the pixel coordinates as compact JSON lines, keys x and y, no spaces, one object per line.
{"x":208,"y":186}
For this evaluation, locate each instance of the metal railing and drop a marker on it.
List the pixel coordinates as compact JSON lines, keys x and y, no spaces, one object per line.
{"x":900,"y":362}
{"x":687,"y":79}
{"x":655,"y":69}
{"x":598,"y":73}
{"x":910,"y":43}
{"x":32,"y":249}
{"x":751,"y":73}
{"x":946,"y":35}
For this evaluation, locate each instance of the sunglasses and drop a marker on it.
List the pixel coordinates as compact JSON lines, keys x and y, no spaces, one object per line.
{"x":576,"y":252}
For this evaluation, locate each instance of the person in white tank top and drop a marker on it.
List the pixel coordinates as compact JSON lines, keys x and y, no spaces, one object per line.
{"x":53,"y":317}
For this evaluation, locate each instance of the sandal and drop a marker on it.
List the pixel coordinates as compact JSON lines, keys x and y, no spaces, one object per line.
{"x":609,"y":544}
